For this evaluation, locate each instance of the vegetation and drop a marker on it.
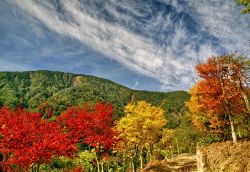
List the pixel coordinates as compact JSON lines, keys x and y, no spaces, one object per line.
{"x":66,"y":100}
{"x":246,"y":4}
{"x":219,"y":101}
{"x":27,"y":141}
{"x":54,"y":121}
{"x":53,"y":92}
{"x":139,"y":130}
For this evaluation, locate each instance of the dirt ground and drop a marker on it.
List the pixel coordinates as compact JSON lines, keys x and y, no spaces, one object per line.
{"x":220,"y":157}
{"x":180,"y":163}
{"x":228,"y":157}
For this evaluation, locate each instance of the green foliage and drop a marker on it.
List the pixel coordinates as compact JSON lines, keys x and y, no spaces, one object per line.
{"x":85,"y":159}
{"x":61,"y":90}
{"x":246,"y":4}
{"x":44,"y":91}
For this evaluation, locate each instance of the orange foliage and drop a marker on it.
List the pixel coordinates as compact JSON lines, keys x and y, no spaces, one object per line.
{"x":218,"y":94}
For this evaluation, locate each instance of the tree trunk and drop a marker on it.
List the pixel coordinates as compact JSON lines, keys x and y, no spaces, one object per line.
{"x":32,"y":168}
{"x":38,"y":167}
{"x":232,"y":129}
{"x":229,"y":115}
{"x":102,"y":170}
{"x":178,"y":149}
{"x":133,"y":165}
{"x":151,"y":152}
{"x":141,"y":160}
{"x":98,"y":165}
{"x":246,"y":101}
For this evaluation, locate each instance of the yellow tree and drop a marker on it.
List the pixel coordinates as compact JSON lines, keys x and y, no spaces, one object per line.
{"x":141,"y":127}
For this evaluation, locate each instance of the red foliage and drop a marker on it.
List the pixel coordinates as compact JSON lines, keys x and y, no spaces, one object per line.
{"x":27,"y":139}
{"x":94,"y":126}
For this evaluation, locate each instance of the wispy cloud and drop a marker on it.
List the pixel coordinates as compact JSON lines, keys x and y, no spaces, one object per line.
{"x":151,"y":41}
{"x":224,"y":21}
{"x":9,"y":66}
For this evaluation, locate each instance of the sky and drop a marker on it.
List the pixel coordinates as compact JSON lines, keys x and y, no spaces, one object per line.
{"x":142,"y":44}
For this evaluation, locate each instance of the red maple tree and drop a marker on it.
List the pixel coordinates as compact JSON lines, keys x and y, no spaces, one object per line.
{"x":27,"y":140}
{"x":92,"y":125}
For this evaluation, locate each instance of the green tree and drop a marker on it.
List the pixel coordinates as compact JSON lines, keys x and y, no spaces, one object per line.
{"x":246,"y":4}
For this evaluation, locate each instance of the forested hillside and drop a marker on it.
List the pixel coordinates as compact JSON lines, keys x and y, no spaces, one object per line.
{"x":37,"y":90}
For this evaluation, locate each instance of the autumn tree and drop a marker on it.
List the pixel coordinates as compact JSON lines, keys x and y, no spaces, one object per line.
{"x":140,"y":128}
{"x":91,"y":126}
{"x":204,"y":119}
{"x":27,"y":140}
{"x":222,"y":92}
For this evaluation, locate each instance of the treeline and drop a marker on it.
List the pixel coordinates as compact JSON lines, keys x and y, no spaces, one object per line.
{"x":85,"y":138}
{"x":53,"y":92}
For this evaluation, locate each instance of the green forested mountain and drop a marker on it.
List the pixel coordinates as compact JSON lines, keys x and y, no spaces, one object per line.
{"x":59,"y":90}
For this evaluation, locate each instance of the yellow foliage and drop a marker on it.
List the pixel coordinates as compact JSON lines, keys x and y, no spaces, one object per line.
{"x":196,"y":111}
{"x":141,"y":126}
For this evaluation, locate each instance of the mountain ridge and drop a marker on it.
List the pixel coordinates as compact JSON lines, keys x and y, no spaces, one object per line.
{"x":59,"y":90}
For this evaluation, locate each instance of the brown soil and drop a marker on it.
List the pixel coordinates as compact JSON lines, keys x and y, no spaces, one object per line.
{"x":219,"y":157}
{"x":228,"y":157}
{"x":180,"y":163}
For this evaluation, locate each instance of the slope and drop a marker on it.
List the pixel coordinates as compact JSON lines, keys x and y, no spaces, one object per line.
{"x":58,"y":90}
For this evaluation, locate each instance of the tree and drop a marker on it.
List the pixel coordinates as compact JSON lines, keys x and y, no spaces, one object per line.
{"x":140,"y":128}
{"x":91,"y":126}
{"x":246,"y":4}
{"x":204,"y":119}
{"x":223,"y":89}
{"x":26,"y":140}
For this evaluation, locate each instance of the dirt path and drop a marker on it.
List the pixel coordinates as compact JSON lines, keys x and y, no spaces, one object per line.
{"x":180,"y":163}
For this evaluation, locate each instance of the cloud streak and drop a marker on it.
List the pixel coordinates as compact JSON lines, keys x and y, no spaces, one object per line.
{"x":163,"y":48}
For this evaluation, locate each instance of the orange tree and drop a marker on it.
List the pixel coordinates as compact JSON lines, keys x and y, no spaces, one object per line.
{"x":221,"y":95}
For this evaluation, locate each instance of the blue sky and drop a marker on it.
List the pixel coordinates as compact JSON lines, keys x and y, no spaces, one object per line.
{"x":146,"y":44}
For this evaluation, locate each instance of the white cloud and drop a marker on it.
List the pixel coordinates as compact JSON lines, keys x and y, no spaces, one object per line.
{"x":9,"y":66}
{"x":135,"y":85}
{"x":171,"y":62}
{"x":224,"y":21}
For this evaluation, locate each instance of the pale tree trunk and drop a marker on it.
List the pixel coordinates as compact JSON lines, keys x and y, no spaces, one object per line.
{"x":232,"y":129}
{"x":102,"y":167}
{"x":245,"y":100}
{"x":133,"y":165}
{"x":229,"y":115}
{"x":141,"y":160}
{"x":177,"y":145}
{"x":231,"y":124}
{"x":98,"y":165}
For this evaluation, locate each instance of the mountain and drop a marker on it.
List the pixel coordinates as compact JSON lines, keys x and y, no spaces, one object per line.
{"x":58,"y":90}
